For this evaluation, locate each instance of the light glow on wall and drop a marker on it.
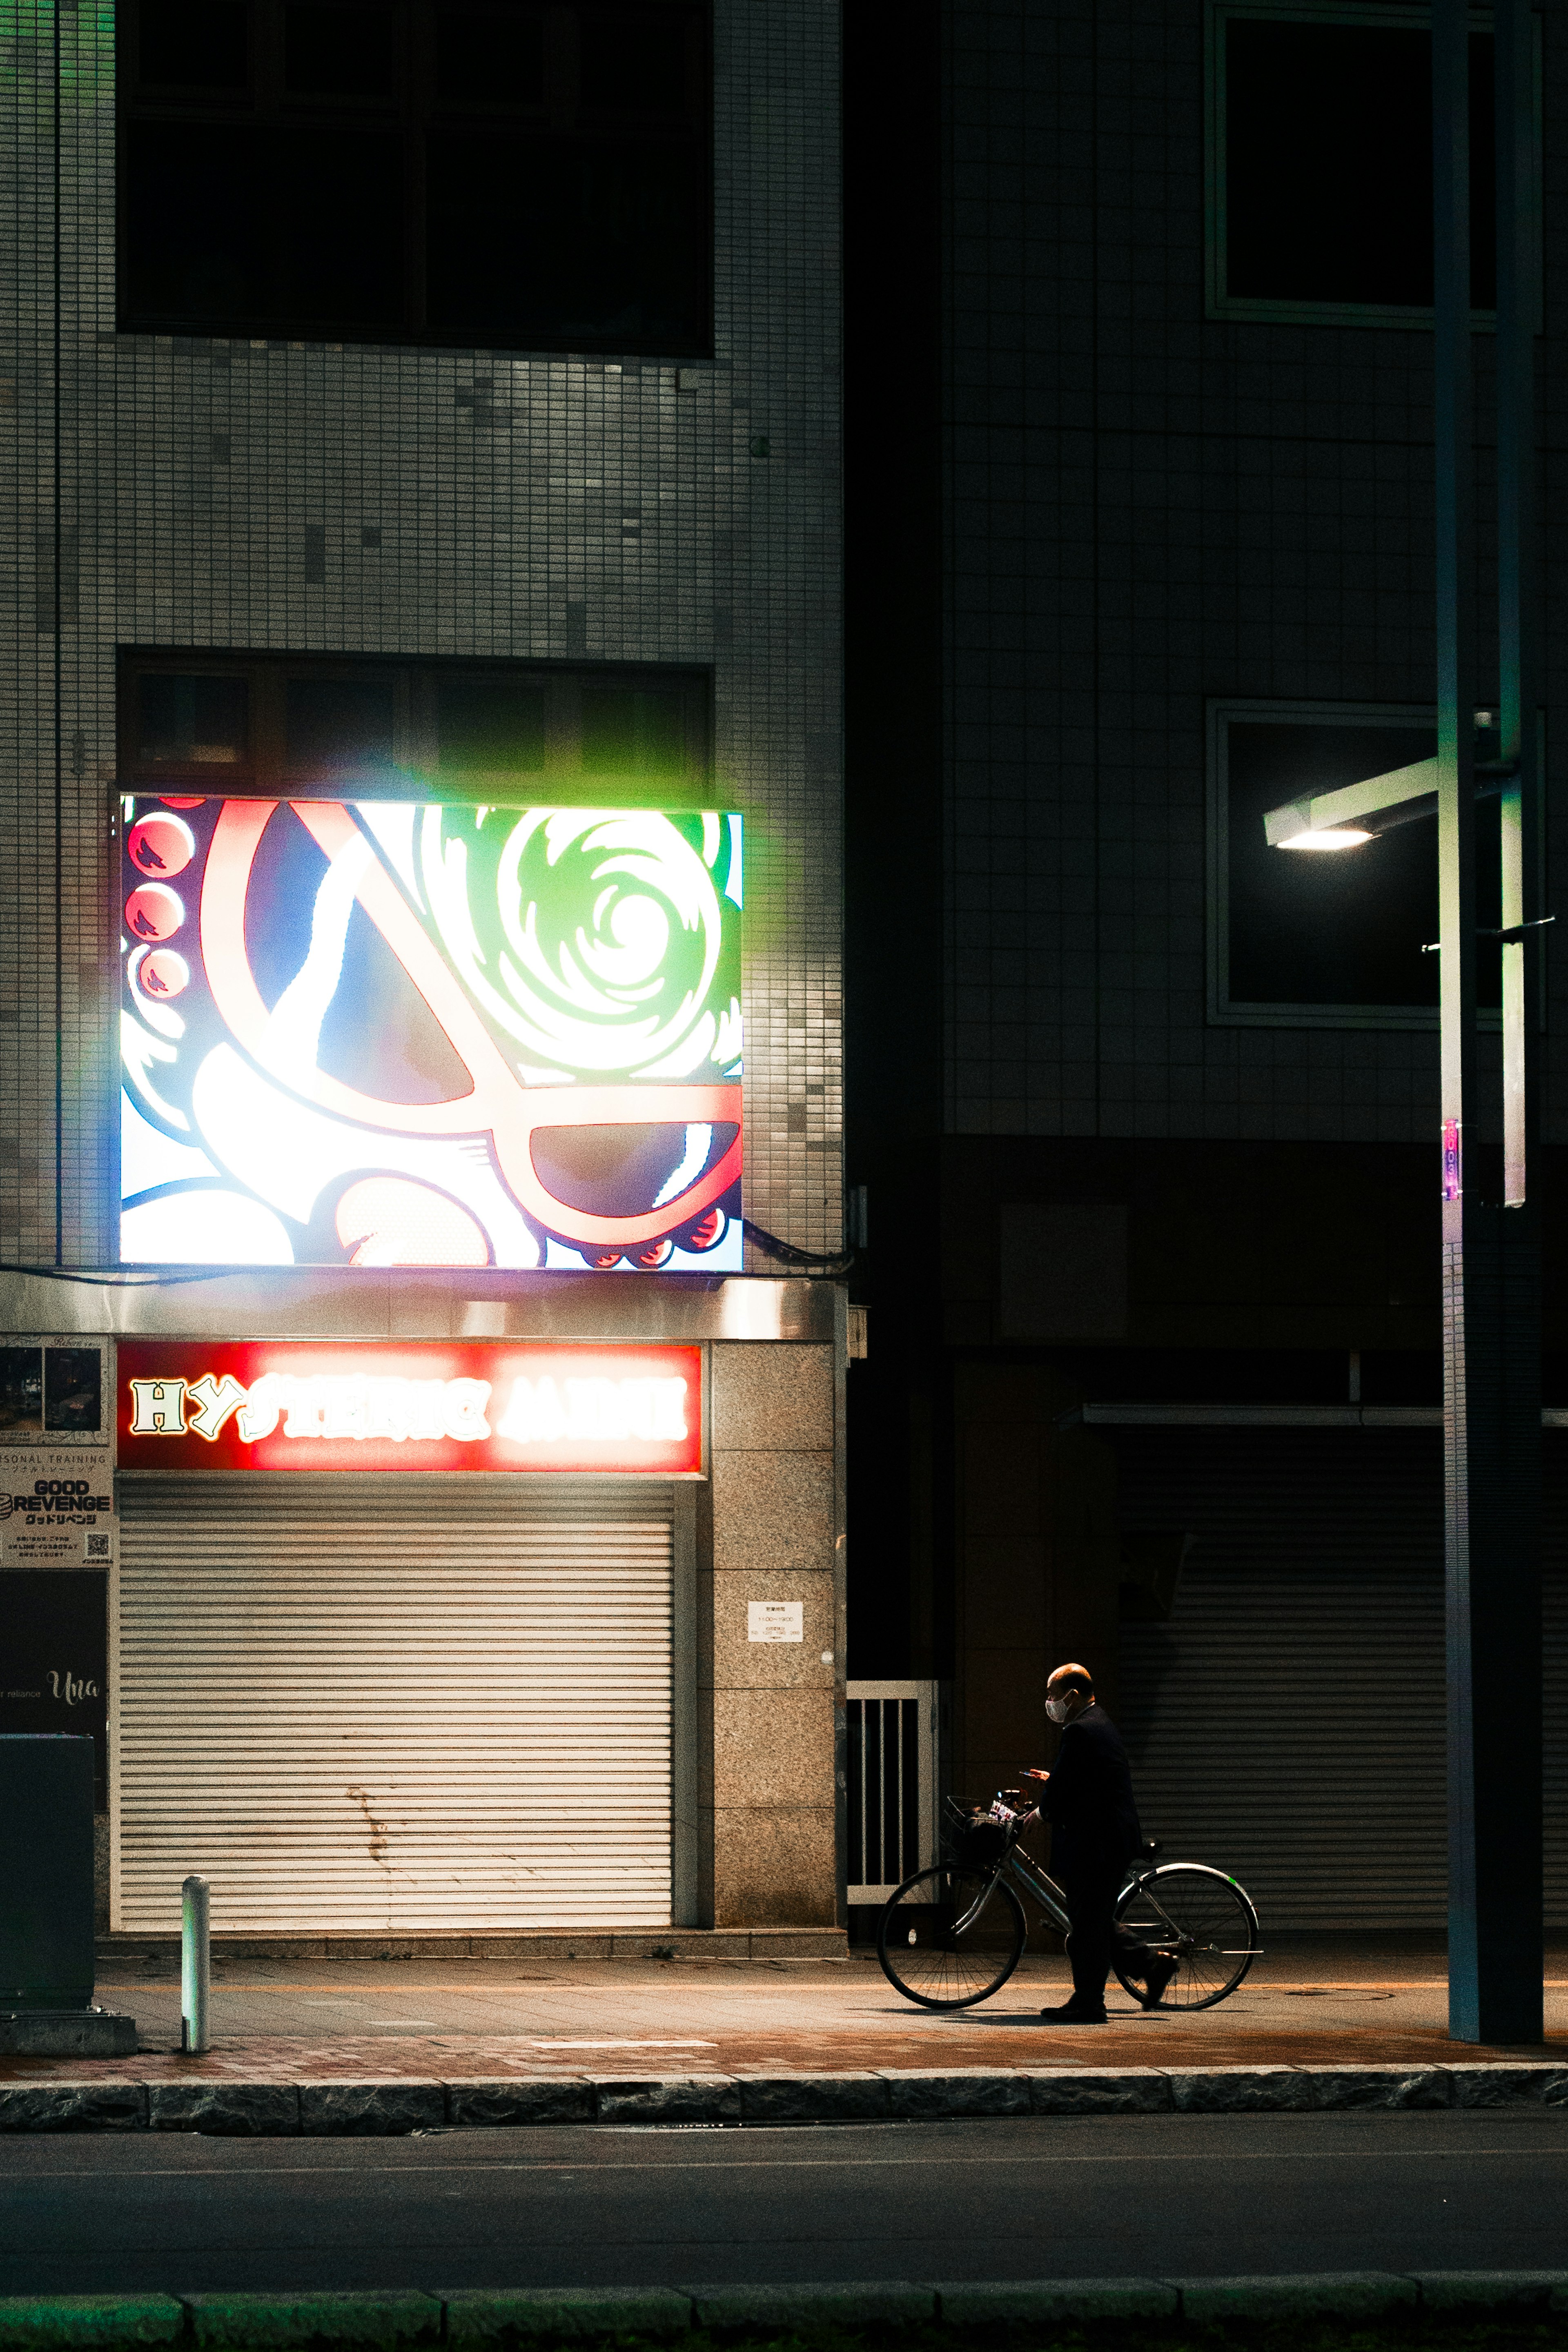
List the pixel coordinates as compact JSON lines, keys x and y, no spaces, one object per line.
{"x":421,"y":1034}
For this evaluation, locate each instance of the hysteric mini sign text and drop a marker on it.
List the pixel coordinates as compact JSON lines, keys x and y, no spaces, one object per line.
{"x":628,"y":1407}
{"x":587,"y":1410}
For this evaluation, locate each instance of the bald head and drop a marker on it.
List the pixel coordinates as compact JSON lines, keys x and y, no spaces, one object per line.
{"x":1069,"y":1690}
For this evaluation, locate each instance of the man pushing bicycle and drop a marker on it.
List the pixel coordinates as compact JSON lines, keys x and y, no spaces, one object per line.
{"x":1088,"y":1799}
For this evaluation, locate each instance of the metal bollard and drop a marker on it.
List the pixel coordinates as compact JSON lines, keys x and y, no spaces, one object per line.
{"x":196,"y":1963}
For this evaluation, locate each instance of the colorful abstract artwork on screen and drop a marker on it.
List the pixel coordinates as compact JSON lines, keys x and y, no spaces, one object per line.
{"x":420,"y":1033}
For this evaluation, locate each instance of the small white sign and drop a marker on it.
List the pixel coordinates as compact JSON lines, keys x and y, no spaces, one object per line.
{"x":776,"y":1621}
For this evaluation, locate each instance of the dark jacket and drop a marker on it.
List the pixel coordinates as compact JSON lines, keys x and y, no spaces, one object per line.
{"x":1089,"y":1798}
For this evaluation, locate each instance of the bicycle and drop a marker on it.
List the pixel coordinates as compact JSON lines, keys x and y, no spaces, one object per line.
{"x":953,"y":1934}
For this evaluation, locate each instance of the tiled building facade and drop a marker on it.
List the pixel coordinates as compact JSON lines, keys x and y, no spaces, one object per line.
{"x":232,"y":494}
{"x":1152,"y":1209}
{"x":245,"y":494}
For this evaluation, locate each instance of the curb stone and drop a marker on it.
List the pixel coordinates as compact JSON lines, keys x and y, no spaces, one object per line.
{"x":259,"y":2323}
{"x":1493,"y":2290}
{"x":962,"y":2091}
{"x":481,"y":2315}
{"x":401,"y":2320}
{"x":74,"y":2323}
{"x":1339,"y":2294}
{"x":1079,"y":2091}
{"x":1382,"y":2086}
{"x":974,"y":2302}
{"x":378,"y":2109}
{"x":1508,"y":2085}
{"x":519,"y":2099}
{"x":894,"y":2300}
{"x":73,"y":2107}
{"x":231,"y":2110}
{"x":391,"y":2105}
{"x":812,"y":2098}
{"x":674,"y":2098}
{"x":1242,"y":2089}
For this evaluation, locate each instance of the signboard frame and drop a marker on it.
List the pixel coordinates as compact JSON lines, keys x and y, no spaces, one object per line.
{"x":460,"y":1408}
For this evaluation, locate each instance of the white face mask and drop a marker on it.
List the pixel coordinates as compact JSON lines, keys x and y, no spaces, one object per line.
{"x":1057,"y":1708}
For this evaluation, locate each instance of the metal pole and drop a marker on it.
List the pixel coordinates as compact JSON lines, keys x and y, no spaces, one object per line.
{"x":1517,"y":584}
{"x":1490,"y":1303}
{"x":196,"y":1963}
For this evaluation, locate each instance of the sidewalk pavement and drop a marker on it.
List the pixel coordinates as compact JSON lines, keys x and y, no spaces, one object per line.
{"x":1318,"y":2004}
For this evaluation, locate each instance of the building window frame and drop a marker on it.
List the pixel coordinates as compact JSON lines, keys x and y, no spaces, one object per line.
{"x":407,"y":113}
{"x":1222,"y":1011}
{"x":1263,"y":309}
{"x":415,"y":768}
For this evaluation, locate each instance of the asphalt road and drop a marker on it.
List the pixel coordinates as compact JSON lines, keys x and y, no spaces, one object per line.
{"x":596,"y":2205}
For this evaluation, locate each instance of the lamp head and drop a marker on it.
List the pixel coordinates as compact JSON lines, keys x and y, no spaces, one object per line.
{"x":1328,"y":836}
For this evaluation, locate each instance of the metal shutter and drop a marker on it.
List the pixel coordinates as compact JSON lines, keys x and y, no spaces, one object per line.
{"x":1308,"y":1629}
{"x":392,"y":1702}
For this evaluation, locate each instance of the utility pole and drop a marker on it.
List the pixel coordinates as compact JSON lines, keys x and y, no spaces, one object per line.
{"x":1492,"y":1259}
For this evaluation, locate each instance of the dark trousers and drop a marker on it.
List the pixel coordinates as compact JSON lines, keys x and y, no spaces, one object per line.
{"x":1091,"y":1889}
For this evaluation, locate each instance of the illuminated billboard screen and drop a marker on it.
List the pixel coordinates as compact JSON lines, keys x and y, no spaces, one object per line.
{"x":430,"y":1035}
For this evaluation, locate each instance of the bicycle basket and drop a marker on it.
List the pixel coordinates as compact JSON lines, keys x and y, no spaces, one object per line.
{"x":975,"y":1842}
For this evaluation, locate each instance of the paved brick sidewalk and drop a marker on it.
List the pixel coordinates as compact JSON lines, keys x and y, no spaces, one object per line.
{"x":317,"y":2020}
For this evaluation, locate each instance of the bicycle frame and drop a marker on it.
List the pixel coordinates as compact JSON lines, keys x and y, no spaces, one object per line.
{"x":1024,"y":1871}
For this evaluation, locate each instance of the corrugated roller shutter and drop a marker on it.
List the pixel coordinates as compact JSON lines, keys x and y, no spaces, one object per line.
{"x":1287,"y":1722}
{"x":372,"y":1703}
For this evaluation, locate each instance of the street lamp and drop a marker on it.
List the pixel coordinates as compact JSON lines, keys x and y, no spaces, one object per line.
{"x":1492,"y":1255}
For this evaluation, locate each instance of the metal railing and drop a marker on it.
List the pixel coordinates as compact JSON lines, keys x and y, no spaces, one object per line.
{"x":893,"y":1757}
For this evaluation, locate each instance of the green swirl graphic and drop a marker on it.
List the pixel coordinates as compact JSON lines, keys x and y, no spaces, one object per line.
{"x":597,"y":938}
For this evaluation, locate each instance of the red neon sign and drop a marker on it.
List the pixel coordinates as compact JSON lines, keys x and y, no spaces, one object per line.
{"x":275,"y":1404}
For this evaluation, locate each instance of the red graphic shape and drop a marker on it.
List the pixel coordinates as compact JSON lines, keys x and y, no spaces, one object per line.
{"x":153,"y":911}
{"x":391,"y":1221}
{"x":496,"y":1101}
{"x":183,"y":800}
{"x":160,"y":844}
{"x":164,"y":973}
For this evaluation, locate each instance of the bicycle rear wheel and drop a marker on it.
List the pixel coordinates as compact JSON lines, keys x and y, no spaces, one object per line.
{"x":949,"y":1936}
{"x":1197,"y":1917}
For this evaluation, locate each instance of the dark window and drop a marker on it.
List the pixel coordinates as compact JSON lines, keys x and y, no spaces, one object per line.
{"x":629,"y":730}
{"x":1339,"y":928}
{"x":1327,"y":165}
{"x":332,"y":723}
{"x":481,"y":52}
{"x":504,"y":175}
{"x":488,"y":722}
{"x":240,"y":224}
{"x":274,"y":722}
{"x":192,"y":45}
{"x":22,"y":1390}
{"x":198,"y":722}
{"x":339,"y":52}
{"x":73,"y":1388}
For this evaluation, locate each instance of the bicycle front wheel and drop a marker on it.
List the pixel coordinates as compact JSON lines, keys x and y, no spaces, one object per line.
{"x":1197,"y":1917}
{"x":947,"y":1938}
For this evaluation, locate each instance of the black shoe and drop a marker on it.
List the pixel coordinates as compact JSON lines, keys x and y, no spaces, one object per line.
{"x":1072,"y":2012}
{"x":1156,"y":1976}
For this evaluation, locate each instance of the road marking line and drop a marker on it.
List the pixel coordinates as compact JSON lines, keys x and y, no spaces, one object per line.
{"x":589,"y":2165}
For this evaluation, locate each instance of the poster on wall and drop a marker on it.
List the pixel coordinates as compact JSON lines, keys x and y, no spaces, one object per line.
{"x":54,"y":1657}
{"x":430,"y":1033}
{"x":56,"y":1454}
